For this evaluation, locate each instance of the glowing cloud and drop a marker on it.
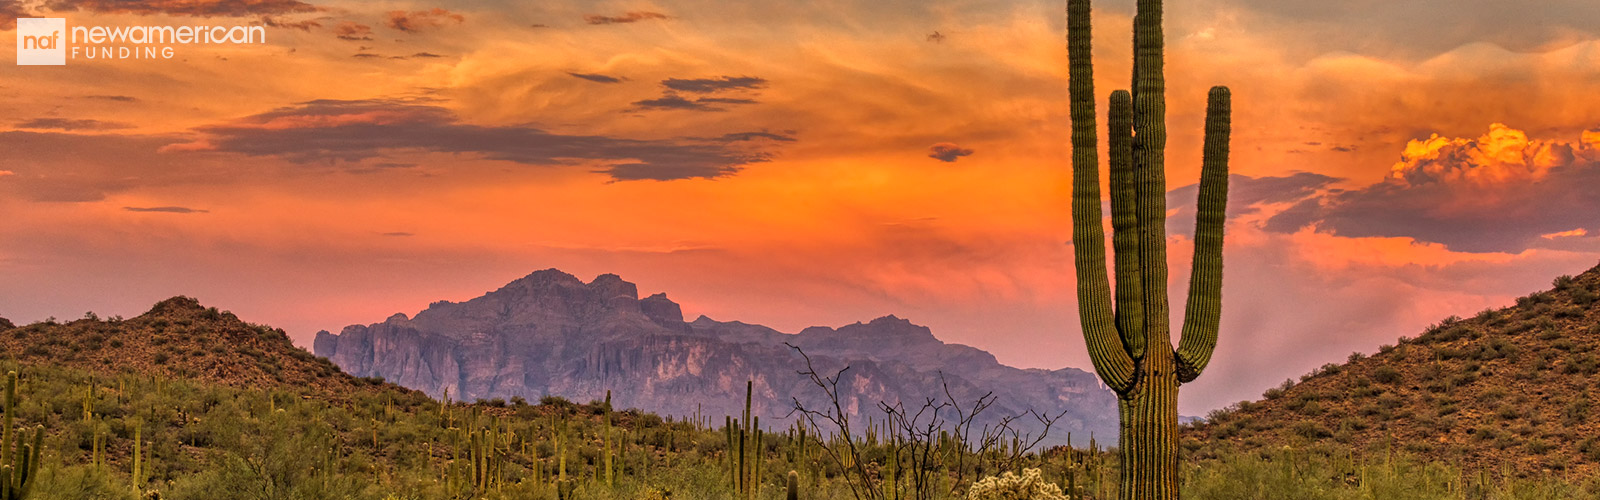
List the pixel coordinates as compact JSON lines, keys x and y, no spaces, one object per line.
{"x":1501,"y":192}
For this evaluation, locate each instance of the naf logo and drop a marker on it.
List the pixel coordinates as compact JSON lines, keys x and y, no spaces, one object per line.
{"x":41,"y":41}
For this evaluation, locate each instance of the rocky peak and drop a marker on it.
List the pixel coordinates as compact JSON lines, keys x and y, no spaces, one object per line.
{"x":885,"y":329}
{"x":551,"y":333}
{"x":662,"y":310}
{"x":542,"y":279}
{"x":611,"y":286}
{"x":176,"y":306}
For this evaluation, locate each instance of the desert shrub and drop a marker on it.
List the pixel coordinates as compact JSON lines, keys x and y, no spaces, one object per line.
{"x":1564,"y":344}
{"x":1539,"y":446}
{"x":1508,"y":412}
{"x":1030,"y":485}
{"x":1386,"y":375}
{"x":1279,"y":391}
{"x":1494,"y":394}
{"x":1576,"y":412}
{"x":1563,"y":282}
{"x":1590,"y":448}
{"x":1584,"y":363}
{"x":1567,"y":312}
{"x":1311,"y":430}
{"x":1584,"y":297}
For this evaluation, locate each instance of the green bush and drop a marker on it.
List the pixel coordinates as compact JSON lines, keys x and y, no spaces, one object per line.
{"x":1386,"y":375}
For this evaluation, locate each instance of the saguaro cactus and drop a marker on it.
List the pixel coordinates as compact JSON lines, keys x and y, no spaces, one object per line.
{"x":19,"y":461}
{"x":1131,"y":344}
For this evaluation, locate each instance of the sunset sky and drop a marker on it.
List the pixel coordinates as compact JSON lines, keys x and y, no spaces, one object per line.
{"x":798,"y":163}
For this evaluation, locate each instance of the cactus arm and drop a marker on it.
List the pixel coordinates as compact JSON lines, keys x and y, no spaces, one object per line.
{"x":1088,"y":237}
{"x":1149,"y":154}
{"x":1125,"y":226}
{"x":1204,"y":311}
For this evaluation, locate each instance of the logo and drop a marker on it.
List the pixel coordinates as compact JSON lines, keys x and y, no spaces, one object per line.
{"x":44,"y":41}
{"x":41,"y":41}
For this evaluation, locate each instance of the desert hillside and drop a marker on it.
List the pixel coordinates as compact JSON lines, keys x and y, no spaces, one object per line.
{"x":1509,"y":387}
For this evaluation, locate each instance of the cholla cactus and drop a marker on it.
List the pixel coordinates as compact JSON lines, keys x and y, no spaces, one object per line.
{"x":1028,"y":486}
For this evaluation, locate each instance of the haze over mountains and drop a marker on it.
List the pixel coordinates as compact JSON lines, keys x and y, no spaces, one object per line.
{"x":550,"y":333}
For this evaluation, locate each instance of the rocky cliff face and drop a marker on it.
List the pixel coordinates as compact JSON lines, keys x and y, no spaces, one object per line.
{"x":552,"y":334}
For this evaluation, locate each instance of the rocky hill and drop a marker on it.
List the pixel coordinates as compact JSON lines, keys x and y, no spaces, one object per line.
{"x":178,"y":338}
{"x":552,"y":334}
{"x":1513,"y":387}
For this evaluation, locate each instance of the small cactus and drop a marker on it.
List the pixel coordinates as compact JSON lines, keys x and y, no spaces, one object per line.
{"x":794,"y":486}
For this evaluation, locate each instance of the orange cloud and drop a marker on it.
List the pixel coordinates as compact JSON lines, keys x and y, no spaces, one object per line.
{"x":1501,"y":192}
{"x":197,"y":8}
{"x":631,"y":17}
{"x":1501,"y":156}
{"x":1575,"y":233}
{"x":419,"y":20}
{"x":353,"y":31}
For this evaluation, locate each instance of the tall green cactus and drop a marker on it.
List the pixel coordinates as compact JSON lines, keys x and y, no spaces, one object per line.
{"x":1129,"y":340}
{"x":19,"y":461}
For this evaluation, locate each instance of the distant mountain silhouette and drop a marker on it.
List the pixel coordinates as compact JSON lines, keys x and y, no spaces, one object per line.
{"x":550,"y":333}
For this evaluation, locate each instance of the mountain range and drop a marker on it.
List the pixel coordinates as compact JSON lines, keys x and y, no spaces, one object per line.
{"x":551,"y":334}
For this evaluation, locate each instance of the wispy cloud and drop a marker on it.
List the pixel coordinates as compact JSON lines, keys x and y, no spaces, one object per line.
{"x":671,"y":101}
{"x":352,"y":31}
{"x":948,"y":152}
{"x":71,"y":124}
{"x":320,"y":131}
{"x":630,"y":17}
{"x":597,"y":78}
{"x":422,"y":20}
{"x":710,"y":85}
{"x":166,"y":210}
{"x":196,"y":8}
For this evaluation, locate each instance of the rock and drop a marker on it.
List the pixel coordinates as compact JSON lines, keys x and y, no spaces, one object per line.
{"x":550,"y":333}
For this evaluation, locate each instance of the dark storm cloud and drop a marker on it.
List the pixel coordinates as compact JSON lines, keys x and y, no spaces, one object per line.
{"x":631,"y":17}
{"x":1498,"y":193}
{"x":330,"y":130}
{"x":195,"y":8}
{"x":947,"y":152}
{"x":597,"y":78}
{"x":167,"y":210}
{"x":1246,"y":195}
{"x":71,"y":124}
{"x":710,"y":85}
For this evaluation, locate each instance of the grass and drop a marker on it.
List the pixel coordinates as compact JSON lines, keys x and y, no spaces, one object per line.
{"x":212,"y":441}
